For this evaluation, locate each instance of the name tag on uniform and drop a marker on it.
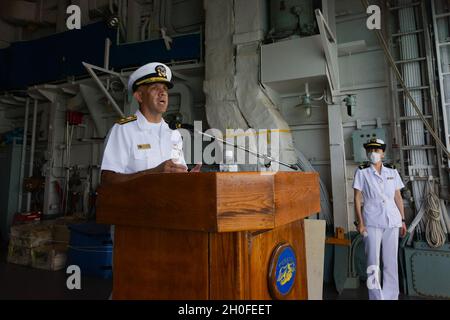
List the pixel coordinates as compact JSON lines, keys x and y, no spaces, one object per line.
{"x":144,"y":146}
{"x":390,"y":178}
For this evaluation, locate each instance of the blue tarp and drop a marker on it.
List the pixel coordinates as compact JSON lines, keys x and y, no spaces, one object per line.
{"x":59,"y":56}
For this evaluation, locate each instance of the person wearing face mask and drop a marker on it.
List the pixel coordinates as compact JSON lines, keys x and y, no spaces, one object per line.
{"x":380,"y":219}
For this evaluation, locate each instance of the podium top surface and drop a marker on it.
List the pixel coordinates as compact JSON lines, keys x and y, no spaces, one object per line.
{"x":210,"y":201}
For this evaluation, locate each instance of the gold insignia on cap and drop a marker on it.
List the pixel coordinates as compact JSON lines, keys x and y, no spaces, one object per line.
{"x":151,"y":80}
{"x":161,"y":71}
{"x":126,"y":120}
{"x":144,"y":146}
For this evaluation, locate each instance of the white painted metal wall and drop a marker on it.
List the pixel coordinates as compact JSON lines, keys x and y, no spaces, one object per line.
{"x":362,"y":69}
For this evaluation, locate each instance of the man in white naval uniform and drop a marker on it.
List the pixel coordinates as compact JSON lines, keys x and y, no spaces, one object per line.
{"x":143,"y":144}
{"x":381,"y":219}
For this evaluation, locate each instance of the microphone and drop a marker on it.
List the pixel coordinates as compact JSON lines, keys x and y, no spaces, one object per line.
{"x":178,"y":125}
{"x":175,"y":124}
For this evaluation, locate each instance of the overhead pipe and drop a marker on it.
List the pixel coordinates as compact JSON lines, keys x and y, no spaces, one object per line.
{"x":121,"y":12}
{"x":144,"y":28}
{"x":133,"y":20}
{"x":24,"y":154}
{"x":167,"y":16}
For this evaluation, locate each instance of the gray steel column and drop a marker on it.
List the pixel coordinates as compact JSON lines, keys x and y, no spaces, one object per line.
{"x":24,"y":155}
{"x":338,"y":168}
{"x":33,"y":143}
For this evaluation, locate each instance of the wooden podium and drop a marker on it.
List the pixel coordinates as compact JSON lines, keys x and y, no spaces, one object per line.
{"x":214,"y":235}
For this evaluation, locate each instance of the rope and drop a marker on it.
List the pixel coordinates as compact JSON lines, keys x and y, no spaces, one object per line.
{"x":91,"y":249}
{"x":434,"y":231}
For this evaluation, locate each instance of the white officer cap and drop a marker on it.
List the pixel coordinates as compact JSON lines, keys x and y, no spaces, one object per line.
{"x":375,"y":143}
{"x":154,"y":72}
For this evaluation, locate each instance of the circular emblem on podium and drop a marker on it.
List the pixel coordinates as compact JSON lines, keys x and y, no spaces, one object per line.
{"x":282,"y":271}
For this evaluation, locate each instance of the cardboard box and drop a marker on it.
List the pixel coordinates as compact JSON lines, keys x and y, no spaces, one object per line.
{"x":19,"y":255}
{"x":24,"y":238}
{"x":41,"y":245}
{"x":30,"y":235}
{"x":49,"y":257}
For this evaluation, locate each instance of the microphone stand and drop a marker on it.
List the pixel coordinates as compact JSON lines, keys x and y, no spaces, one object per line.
{"x":263,"y":156}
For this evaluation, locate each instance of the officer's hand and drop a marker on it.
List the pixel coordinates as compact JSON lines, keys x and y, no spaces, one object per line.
{"x":196,"y":168}
{"x":403,"y":230}
{"x":170,"y":166}
{"x":362,"y":229}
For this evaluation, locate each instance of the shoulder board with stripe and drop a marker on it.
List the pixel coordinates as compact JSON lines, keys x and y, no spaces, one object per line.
{"x":389,"y":165}
{"x":364,"y":166}
{"x":126,"y":120}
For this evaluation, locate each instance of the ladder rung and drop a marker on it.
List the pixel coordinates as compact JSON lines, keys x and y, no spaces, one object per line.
{"x":443,"y":44}
{"x":401,"y":34}
{"x":417,"y":147}
{"x":442,"y":15}
{"x":417,"y":178}
{"x":446,"y":73}
{"x":414,"y":88}
{"x":405,"y":6}
{"x":414,"y":118}
{"x":411,"y":60}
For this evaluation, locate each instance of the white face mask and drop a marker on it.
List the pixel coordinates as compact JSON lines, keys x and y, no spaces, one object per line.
{"x":374,"y":157}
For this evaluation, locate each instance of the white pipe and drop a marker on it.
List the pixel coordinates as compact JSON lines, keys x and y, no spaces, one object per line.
{"x":102,"y":88}
{"x":441,"y":30}
{"x":445,"y":215}
{"x":149,"y":27}
{"x":415,"y":133}
{"x":125,"y":16}
{"x":33,"y":143}
{"x":107,"y":51}
{"x":122,"y":22}
{"x":168,"y":17}
{"x":66,"y":165}
{"x":119,"y":12}
{"x":157,"y":12}
{"x":24,"y":154}
{"x":144,"y":27}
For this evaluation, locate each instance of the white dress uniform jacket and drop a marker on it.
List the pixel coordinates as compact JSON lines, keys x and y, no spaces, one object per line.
{"x":382,"y":220}
{"x":378,"y":192}
{"x":136,"y":146}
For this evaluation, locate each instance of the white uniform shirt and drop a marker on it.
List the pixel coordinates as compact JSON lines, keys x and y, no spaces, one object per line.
{"x":378,"y":192}
{"x":140,"y":145}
